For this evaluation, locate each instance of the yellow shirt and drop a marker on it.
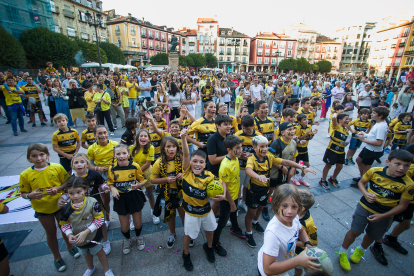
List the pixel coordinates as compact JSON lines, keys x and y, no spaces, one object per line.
{"x":140,"y":158}
{"x":261,"y":168}
{"x":89,"y":101}
{"x":66,"y":140}
{"x":97,"y":96}
{"x":11,"y":98}
{"x":230,"y":173}
{"x":309,"y":114}
{"x":133,"y":92}
{"x":102,"y":156}
{"x":203,"y":129}
{"x":123,"y":177}
{"x":171,"y":171}
{"x":52,"y":176}
{"x":31,"y":91}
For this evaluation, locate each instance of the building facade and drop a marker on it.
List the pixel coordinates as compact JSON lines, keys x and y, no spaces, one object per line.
{"x":233,"y":50}
{"x":188,"y":40}
{"x":407,"y":62}
{"x":306,"y":39}
{"x":207,"y":32}
{"x":328,"y":49}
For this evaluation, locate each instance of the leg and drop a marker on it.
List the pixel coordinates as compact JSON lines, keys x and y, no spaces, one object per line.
{"x":150,"y":196}
{"x":258,"y":212}
{"x":186,"y":243}
{"x":216,"y":208}
{"x":49,"y":225}
{"x":106,"y":199}
{"x":5,"y":267}
{"x":112,"y":110}
{"x":337,"y":170}
{"x":126,"y":111}
{"x":350,"y":237}
{"x":104,"y":232}
{"x":350,"y":153}
{"x":121,"y":114}
{"x":251,"y":213}
{"x":224,"y":216}
{"x":65,"y":238}
{"x":32,"y":118}
{"x":209,"y":237}
{"x":101,"y":118}
{"x":367,"y":241}
{"x":181,"y":213}
{"x":20,"y":118}
{"x":103,"y":260}
{"x":360,"y":165}
{"x":137,"y":219}
{"x":108,"y":120}
{"x":4,"y":106}
{"x":89,"y":260}
{"x":400,"y":227}
{"x":124,"y":220}
{"x":326,"y":171}
{"x":171,"y":226}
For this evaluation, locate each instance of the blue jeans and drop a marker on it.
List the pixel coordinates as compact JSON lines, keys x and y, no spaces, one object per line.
{"x":3,"y":104}
{"x":14,"y":115}
{"x":394,"y":146}
{"x":192,"y":148}
{"x":132,"y":104}
{"x":277,"y":107}
{"x":294,"y":96}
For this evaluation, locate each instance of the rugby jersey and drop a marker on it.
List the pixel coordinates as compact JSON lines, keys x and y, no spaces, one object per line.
{"x":279,"y":148}
{"x":308,"y":114}
{"x":265,"y":127}
{"x":156,"y":141}
{"x":203,"y":129}
{"x":234,"y":125}
{"x":88,"y":137}
{"x":309,"y":226}
{"x":400,"y":138}
{"x":360,"y":125}
{"x":300,"y":131}
{"x":156,"y":172}
{"x":261,"y":168}
{"x":65,"y":140}
{"x":338,"y":134}
{"x":31,"y":91}
{"x":247,"y":145}
{"x":123,"y":176}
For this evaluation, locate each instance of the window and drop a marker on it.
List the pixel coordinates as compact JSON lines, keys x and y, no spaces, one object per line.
{"x":274,"y":44}
{"x":157,"y":35}
{"x":259,"y":60}
{"x":144,"y":44}
{"x":273,"y":61}
{"x":200,"y":49}
{"x":118,"y":41}
{"x":228,"y":58}
{"x":266,"y":61}
{"x":221,"y":58}
{"x":150,"y":44}
{"x":223,"y":32}
{"x":268,"y":44}
{"x":201,"y":39}
{"x":317,"y":48}
{"x":282,"y":45}
{"x":236,"y":59}
{"x":221,"y":41}
{"x":397,"y":62}
{"x":357,"y":44}
{"x":206,"y":39}
{"x":244,"y":59}
{"x":260,"y":43}
{"x":359,"y":28}
{"x":346,"y":37}
{"x":289,"y":53}
{"x":244,"y":51}
{"x":142,"y":32}
{"x":400,"y":52}
{"x":290,"y":44}
{"x":409,"y":61}
{"x":229,"y":51}
{"x":259,"y":53}
{"x":132,"y":30}
{"x":191,"y":48}
{"x":267,"y":52}
{"x":358,"y":36}
{"x":355,"y":51}
{"x":117,"y":30}
{"x":221,"y":50}
{"x":134,"y":41}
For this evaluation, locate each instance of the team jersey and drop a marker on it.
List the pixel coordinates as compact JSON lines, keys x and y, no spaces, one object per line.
{"x":203,"y":129}
{"x":161,"y":123}
{"x":11,"y":98}
{"x":400,"y":138}
{"x":171,"y":171}
{"x":234,"y":126}
{"x":102,"y":155}
{"x":65,"y":140}
{"x":308,"y":114}
{"x":185,"y":122}
{"x":140,"y":158}
{"x":207,"y":91}
{"x":360,"y":125}
{"x":279,"y":148}
{"x":261,"y":168}
{"x":156,"y":141}
{"x":389,"y":190}
{"x":309,"y":226}
{"x":338,"y":136}
{"x":265,"y":127}
{"x":52,"y":176}
{"x":391,"y":127}
{"x":301,"y":131}
{"x":247,"y":145}
{"x":128,"y":138}
{"x":95,"y":180}
{"x":195,"y":199}
{"x":229,"y":172}
{"x":88,"y":137}
{"x":122,"y":177}
{"x":410,"y":174}
{"x":30,"y":90}
{"x":277,"y":132}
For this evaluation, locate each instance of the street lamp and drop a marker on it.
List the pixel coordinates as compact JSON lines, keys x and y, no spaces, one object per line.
{"x":277,"y":61}
{"x":97,"y":22}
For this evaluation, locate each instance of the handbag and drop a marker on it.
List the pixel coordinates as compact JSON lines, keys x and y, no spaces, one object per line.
{"x":98,"y":108}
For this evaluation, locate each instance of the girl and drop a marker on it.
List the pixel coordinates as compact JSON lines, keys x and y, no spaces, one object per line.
{"x":349,"y":105}
{"x":128,"y":138}
{"x":127,"y":194}
{"x":326,"y":101}
{"x":50,"y":100}
{"x":89,"y":98}
{"x":43,"y":191}
{"x":167,"y":172}
{"x":174,"y":101}
{"x":225,"y":94}
{"x":189,"y":99}
{"x":277,"y":255}
{"x":123,"y":89}
{"x":222,"y":108}
{"x":243,"y":110}
{"x":83,"y":212}
{"x":161,"y":99}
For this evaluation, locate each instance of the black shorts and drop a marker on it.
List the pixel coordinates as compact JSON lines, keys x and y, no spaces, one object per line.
{"x":407,"y":214}
{"x":273,"y":183}
{"x":256,"y":196}
{"x":368,"y":156}
{"x":42,"y":215}
{"x":332,"y":158}
{"x":302,"y":157}
{"x":66,"y":164}
{"x":3,"y":251}
{"x":129,"y":203}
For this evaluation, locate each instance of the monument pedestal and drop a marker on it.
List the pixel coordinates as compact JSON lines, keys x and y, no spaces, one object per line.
{"x":173,"y":61}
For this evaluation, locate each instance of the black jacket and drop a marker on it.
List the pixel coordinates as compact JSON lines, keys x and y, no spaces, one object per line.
{"x":75,"y":98}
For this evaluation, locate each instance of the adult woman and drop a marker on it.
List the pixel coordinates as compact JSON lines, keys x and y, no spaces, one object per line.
{"x":104,"y":99}
{"x":248,"y":97}
{"x":174,"y":101}
{"x":116,"y":108}
{"x":61,"y":100}
{"x":326,"y":101}
{"x":50,"y":100}
{"x":306,"y":92}
{"x":349,"y":105}
{"x":76,"y":102}
{"x":225,"y":94}
{"x":204,"y":127}
{"x":189,"y":99}
{"x":161,"y":99}
{"x":125,"y":93}
{"x":403,"y":101}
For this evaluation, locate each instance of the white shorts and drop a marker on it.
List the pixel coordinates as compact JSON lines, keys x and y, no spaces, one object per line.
{"x":193,"y":224}
{"x":244,"y":178}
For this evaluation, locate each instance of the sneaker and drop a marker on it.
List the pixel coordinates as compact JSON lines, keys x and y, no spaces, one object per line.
{"x":106,"y":247}
{"x":346,"y":161}
{"x":333,"y":182}
{"x":126,"y":248}
{"x":379,"y":254}
{"x":356,"y":179}
{"x":89,"y":272}
{"x":60,"y":265}
{"x":171,"y":240}
{"x":23,"y":130}
{"x":131,"y":225}
{"x":155,"y":220}
{"x":393,"y":242}
{"x":228,"y":224}
{"x":210,"y":253}
{"x":107,"y":223}
{"x":111,"y":134}
{"x":258,"y":227}
{"x":75,"y":252}
{"x":33,"y":125}
{"x":45,"y":119}
{"x":140,"y":243}
{"x":265,"y":214}
{"x":378,"y":160}
{"x":294,"y":181}
{"x":237,"y":232}
{"x":387,"y":150}
{"x":343,"y":261}
{"x":15,"y":133}
{"x":324,"y":184}
{"x":352,"y":161}
{"x":243,"y":206}
{"x":356,"y":256}
{"x":304,"y":183}
{"x":115,"y":127}
{"x":192,"y":243}
{"x":109,"y":273}
{"x":220,"y":250}
{"x":43,"y":124}
{"x":188,"y":265}
{"x":250,"y":240}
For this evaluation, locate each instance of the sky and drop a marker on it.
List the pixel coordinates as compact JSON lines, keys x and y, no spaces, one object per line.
{"x":250,"y":17}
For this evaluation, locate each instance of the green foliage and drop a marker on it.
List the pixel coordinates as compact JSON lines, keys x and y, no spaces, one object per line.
{"x":12,"y":52}
{"x":42,"y":45}
{"x":190,"y":61}
{"x":90,"y":51}
{"x":113,"y":53}
{"x":185,"y":61}
{"x":160,"y":59}
{"x":199,"y":60}
{"x":302,"y":65}
{"x":211,"y":60}
{"x":324,"y":66}
{"x":287,"y":64}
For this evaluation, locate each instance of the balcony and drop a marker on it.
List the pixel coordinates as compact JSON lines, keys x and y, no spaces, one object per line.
{"x":157,"y":48}
{"x":118,"y":32}
{"x":266,"y":62}
{"x":221,"y":43}
{"x":244,"y":44}
{"x":334,"y":57}
{"x":163,"y":50}
{"x":221,"y":53}
{"x":275,"y":54}
{"x":69,"y":14}
{"x":305,"y":40}
{"x":393,"y":46}
{"x":412,"y":43}
{"x":244,"y":61}
{"x":151,"y":47}
{"x":312,"y":41}
{"x":259,"y":54}
{"x":399,"y":55}
{"x":267,"y":55}
{"x":132,"y":44}
{"x":143,"y":35}
{"x":229,"y":53}
{"x":150,"y":36}
{"x":144,"y":46}
{"x":311,"y":49}
{"x":405,"y":34}
{"x":229,"y":44}
{"x":409,"y":53}
{"x":309,"y":57}
{"x":191,"y":43}
{"x":259,"y":62}
{"x":300,"y":39}
{"x":162,"y":38}
{"x":323,"y":51}
{"x":402,"y":44}
{"x":57,"y":10}
{"x":237,"y":53}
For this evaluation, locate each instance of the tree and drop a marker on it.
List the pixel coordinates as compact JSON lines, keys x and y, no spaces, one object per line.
{"x":324,"y":66}
{"x":160,"y":59}
{"x":13,"y":54}
{"x":287,"y":64}
{"x":185,"y":61}
{"x":199,"y":60}
{"x":113,"y":53}
{"x":302,"y":65}
{"x":42,"y":45}
{"x":190,"y":61}
{"x":211,"y":60}
{"x":90,"y":51}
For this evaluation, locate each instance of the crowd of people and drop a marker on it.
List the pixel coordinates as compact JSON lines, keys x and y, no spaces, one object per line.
{"x":167,"y":156}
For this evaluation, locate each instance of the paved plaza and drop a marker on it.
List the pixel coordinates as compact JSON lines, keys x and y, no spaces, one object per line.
{"x":332,"y":214}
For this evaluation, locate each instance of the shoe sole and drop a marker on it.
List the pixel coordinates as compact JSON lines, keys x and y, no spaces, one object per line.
{"x":170,"y":247}
{"x":126,"y":253}
{"x":375,"y":256}
{"x":306,"y":185}
{"x":241,"y":237}
{"x":252,"y":246}
{"x":388,"y":244}
{"x":326,"y":188}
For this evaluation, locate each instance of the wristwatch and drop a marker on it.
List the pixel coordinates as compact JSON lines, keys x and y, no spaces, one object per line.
{"x":308,"y":242}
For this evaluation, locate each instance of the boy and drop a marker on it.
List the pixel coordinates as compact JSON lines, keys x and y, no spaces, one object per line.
{"x":294,"y":104}
{"x":401,"y":129}
{"x":306,"y":109}
{"x":360,"y":124}
{"x":87,"y":137}
{"x":258,"y":169}
{"x":156,"y":135}
{"x":161,"y":123}
{"x":195,"y":201}
{"x":229,"y":175}
{"x":288,"y":115}
{"x":65,"y":141}
{"x":335,"y":152}
{"x":307,"y":222}
{"x":383,"y":199}
{"x":264,"y":124}
{"x":390,"y":96}
{"x":32,"y":90}
{"x":175,"y":129}
{"x":304,"y":133}
{"x":383,"y":103}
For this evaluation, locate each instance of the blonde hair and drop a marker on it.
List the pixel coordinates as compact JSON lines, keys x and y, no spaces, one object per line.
{"x":259,"y":139}
{"x":282,"y":193}
{"x":59,"y":116}
{"x":84,"y":156}
{"x":307,"y":199}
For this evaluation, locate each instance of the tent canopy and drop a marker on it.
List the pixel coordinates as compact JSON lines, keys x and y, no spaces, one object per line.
{"x":90,"y":65}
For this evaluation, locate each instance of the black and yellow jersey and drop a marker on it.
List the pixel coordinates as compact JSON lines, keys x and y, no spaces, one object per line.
{"x":247,"y":145}
{"x":309,"y":226}
{"x":410,"y":174}
{"x":282,"y":149}
{"x":66,"y":140}
{"x":185,"y":122}
{"x":161,"y":123}
{"x":400,"y":138}
{"x":301,"y":131}
{"x":338,"y":135}
{"x":265,"y":127}
{"x":171,"y":171}
{"x":234,"y":125}
{"x":88,"y":137}
{"x":123,"y":176}
{"x":207,"y":91}
{"x":156,"y":140}
{"x":309,"y":114}
{"x":203,"y":129}
{"x":30,"y":90}
{"x":195,"y":199}
{"x":389,"y":190}
{"x":48,"y":70}
{"x":261,"y":168}
{"x":360,"y":125}
{"x":391,"y":127}
{"x":239,"y":123}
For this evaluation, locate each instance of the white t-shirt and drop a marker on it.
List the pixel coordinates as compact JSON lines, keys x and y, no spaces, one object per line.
{"x":226,"y":98}
{"x":378,"y":131}
{"x":279,"y":242}
{"x":366,"y":101}
{"x":256,"y":91}
{"x":190,"y":107}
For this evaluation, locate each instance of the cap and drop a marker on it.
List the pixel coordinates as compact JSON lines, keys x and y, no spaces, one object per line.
{"x":284,"y":126}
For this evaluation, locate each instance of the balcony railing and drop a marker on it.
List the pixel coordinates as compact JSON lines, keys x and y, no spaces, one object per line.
{"x":259,"y":54}
{"x":143,"y":35}
{"x":57,"y":10}
{"x":300,"y":39}
{"x":401,"y":44}
{"x":393,"y":46}
{"x":157,"y":48}
{"x":405,"y":34}
{"x":162,"y":38}
{"x":191,"y":43}
{"x":229,"y":53}
{"x":150,"y":37}
{"x":305,"y":40}
{"x":409,"y":53}
{"x":117,"y":32}
{"x":144,"y":46}
{"x":237,"y":53}
{"x":245,"y":44}
{"x":151,"y":47}
{"x":221,"y":43}
{"x":221,"y":53}
{"x":334,"y":57}
{"x":163,"y":50}
{"x":266,"y":62}
{"x":275,"y":54}
{"x":309,"y":57}
{"x":259,"y":62}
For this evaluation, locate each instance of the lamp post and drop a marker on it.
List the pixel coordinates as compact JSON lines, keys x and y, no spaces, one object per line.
{"x":236,"y":42}
{"x":277,"y":61}
{"x":97,"y":22}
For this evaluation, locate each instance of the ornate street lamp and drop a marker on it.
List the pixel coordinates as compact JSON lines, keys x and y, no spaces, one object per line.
{"x":97,"y":22}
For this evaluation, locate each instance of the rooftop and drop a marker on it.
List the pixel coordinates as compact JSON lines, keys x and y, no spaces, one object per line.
{"x":233,"y":34}
{"x":206,"y":20}
{"x":272,"y":35}
{"x":326,"y":40}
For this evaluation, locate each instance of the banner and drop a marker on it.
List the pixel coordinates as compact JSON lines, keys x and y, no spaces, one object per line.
{"x":36,"y":16}
{"x":20,"y":209}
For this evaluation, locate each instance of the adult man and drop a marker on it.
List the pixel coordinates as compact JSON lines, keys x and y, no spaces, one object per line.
{"x":116,"y":107}
{"x":133,"y":88}
{"x":256,"y":91}
{"x":85,"y":82}
{"x":153,"y":82}
{"x":65,"y":83}
{"x":295,"y":89}
{"x":364,"y":97}
{"x":338,"y":92}
{"x":361,"y":86}
{"x":24,"y":80}
{"x":32,"y":91}
{"x":3,"y":99}
{"x":76,"y":78}
{"x":231,"y":83}
{"x":279,"y":96}
{"x":41,"y":78}
{"x":145,"y":88}
{"x":14,"y":105}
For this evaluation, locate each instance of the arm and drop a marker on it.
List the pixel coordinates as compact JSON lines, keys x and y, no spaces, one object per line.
{"x":56,"y":149}
{"x":214,"y":160}
{"x":146,"y":165}
{"x":186,"y":152}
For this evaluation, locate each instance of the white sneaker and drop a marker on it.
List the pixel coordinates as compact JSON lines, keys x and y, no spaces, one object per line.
{"x":111,"y":134}
{"x":108,"y":222}
{"x":171,"y":240}
{"x":131,"y":225}
{"x":244,"y":206}
{"x":106,"y":247}
{"x":327,"y":135}
{"x":109,"y":273}
{"x":228,"y":224}
{"x":155,"y":220}
{"x":89,"y":272}
{"x":126,"y":248}
{"x":140,"y":243}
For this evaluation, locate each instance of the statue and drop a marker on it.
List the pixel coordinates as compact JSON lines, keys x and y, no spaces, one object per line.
{"x":174,"y":44}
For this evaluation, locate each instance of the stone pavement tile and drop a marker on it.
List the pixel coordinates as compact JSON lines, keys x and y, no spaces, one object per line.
{"x":19,"y":268}
{"x":7,"y":158}
{"x":348,"y":196}
{"x":330,"y":204}
{"x":345,"y":218}
{"x":11,"y":171}
{"x":36,"y":235}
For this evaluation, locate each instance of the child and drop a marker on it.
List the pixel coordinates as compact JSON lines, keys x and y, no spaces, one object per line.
{"x":44,"y":192}
{"x":243,"y":110}
{"x":122,"y":178}
{"x":315,"y":98}
{"x":156,"y":135}
{"x":258,"y":169}
{"x":264,"y":124}
{"x":288,"y":115}
{"x":276,"y":117}
{"x":87,"y":136}
{"x":195,"y":201}
{"x":401,"y":129}
{"x":390,"y":96}
{"x":128,"y":138}
{"x":306,"y":109}
{"x":84,"y":213}
{"x":239,"y":100}
{"x":277,"y":255}
{"x":360,"y":124}
{"x":167,"y":172}
{"x":65,"y":141}
{"x":294,"y":104}
{"x":338,"y":109}
{"x":349,"y":105}
{"x":335,"y":152}
{"x":223,"y":110}
{"x":305,"y":218}
{"x":304,"y":133}
{"x":185,"y":120}
{"x":161,"y":122}
{"x":383,"y":103}
{"x":381,"y":200}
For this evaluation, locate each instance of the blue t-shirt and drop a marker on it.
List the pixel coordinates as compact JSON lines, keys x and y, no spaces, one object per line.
{"x":389,"y":98}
